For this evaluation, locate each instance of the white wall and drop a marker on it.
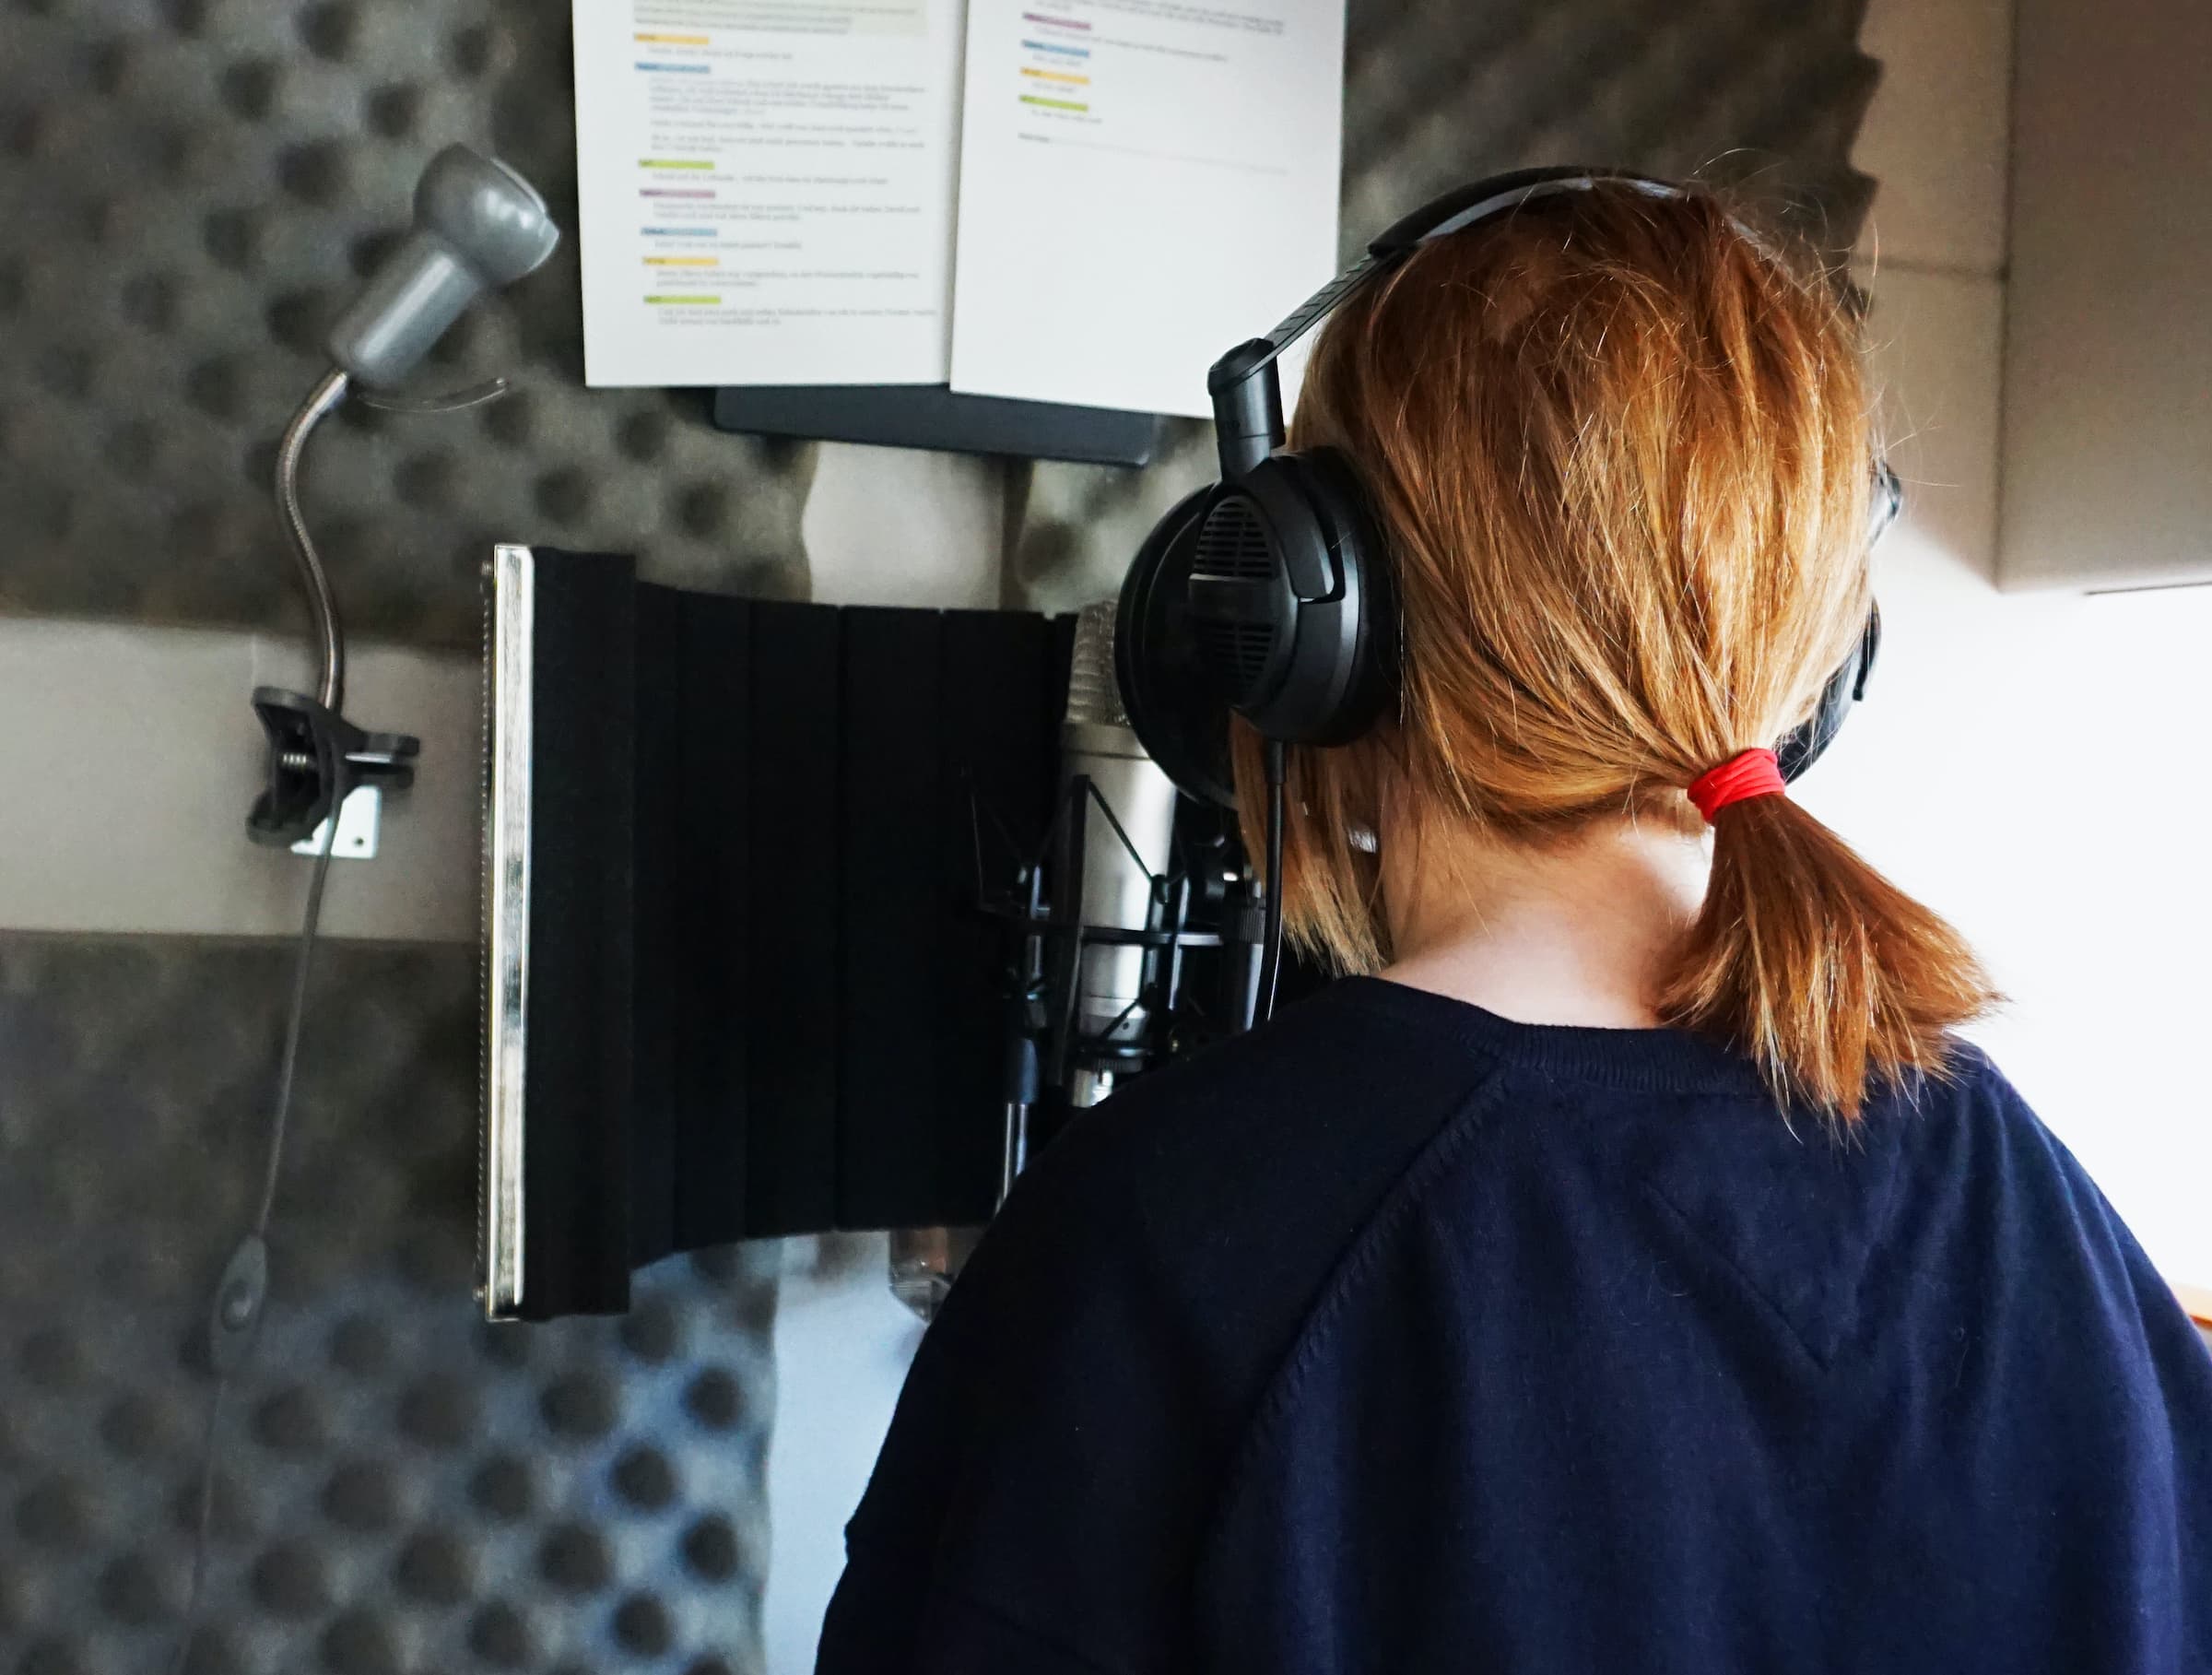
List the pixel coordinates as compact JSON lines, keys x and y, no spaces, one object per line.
{"x":2108,"y":369}
{"x":843,"y":1344}
{"x":2031,"y":766}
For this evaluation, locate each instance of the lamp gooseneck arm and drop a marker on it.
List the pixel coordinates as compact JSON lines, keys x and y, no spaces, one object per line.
{"x":330,"y":639}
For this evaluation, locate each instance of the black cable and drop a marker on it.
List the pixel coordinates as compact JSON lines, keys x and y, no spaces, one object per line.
{"x":280,"y":1116}
{"x":1271,"y":934}
{"x":279,"y":1123}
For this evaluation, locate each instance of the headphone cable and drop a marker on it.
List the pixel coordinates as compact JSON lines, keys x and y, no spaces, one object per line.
{"x":235,"y":1320}
{"x":1271,"y":934}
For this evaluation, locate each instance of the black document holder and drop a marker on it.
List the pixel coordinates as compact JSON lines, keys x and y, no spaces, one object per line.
{"x":747,"y":992}
{"x":935,"y":416}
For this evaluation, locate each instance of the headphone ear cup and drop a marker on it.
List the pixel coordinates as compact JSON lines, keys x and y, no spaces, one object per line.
{"x":1173,"y":703}
{"x":1363,"y":647}
{"x":1290,"y":601}
{"x":1805,"y":744}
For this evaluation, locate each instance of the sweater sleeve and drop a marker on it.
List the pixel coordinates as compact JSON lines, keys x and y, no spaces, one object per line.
{"x":1038,"y":1501}
{"x":891,"y":1614}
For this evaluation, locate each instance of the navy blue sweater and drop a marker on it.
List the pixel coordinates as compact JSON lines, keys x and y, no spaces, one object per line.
{"x":1401,"y":1338}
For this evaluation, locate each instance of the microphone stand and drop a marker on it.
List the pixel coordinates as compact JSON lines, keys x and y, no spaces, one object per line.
{"x":1208,"y":905}
{"x":1205,"y":909}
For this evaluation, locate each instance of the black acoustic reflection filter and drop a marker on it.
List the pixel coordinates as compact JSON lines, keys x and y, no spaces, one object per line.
{"x":945,"y":714}
{"x":889,"y":916}
{"x":761,"y":999}
{"x":577,"y":1167}
{"x":790,"y":1000}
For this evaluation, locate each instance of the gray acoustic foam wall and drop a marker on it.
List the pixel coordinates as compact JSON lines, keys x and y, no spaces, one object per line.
{"x":188,"y":186}
{"x":405,"y":1487}
{"x":188,"y":190}
{"x":1762,"y":95}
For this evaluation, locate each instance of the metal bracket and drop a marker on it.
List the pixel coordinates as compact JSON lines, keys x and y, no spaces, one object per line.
{"x":361,"y":819}
{"x":443,"y":401}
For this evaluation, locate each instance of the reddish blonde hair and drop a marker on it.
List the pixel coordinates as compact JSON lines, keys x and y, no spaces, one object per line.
{"x":1621,"y":453}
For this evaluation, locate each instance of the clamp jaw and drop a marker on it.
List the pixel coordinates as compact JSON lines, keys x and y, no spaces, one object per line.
{"x":316,"y":758}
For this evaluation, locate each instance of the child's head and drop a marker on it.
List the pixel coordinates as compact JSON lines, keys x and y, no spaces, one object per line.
{"x":1621,"y":451}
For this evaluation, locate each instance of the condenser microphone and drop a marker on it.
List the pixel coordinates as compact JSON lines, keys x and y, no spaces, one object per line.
{"x":478,"y":225}
{"x":1134,"y":932}
{"x":1128,"y":832}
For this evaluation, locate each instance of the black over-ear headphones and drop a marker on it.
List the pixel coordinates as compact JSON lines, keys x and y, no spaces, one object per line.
{"x":1270,"y":594}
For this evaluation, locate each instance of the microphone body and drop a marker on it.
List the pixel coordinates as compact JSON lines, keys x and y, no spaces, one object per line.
{"x":1115,"y":890}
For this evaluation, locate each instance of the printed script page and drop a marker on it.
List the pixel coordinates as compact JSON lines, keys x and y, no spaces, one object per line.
{"x":1143,"y":183}
{"x":765,"y":189}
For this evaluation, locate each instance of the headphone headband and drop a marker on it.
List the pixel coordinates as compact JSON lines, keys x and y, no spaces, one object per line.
{"x":1245,"y":387}
{"x":1464,"y":207}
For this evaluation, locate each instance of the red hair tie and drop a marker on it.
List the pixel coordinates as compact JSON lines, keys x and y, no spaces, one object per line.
{"x":1746,"y":774}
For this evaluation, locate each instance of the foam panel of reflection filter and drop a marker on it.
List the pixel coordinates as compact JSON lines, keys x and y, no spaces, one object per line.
{"x":736,"y":981}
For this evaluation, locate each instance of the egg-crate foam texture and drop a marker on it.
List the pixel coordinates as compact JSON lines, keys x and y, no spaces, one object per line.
{"x":402,"y":1486}
{"x":189,"y":192}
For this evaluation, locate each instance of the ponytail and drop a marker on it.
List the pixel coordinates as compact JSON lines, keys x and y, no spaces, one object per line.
{"x":1809,"y":960}
{"x":1619,"y":450}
